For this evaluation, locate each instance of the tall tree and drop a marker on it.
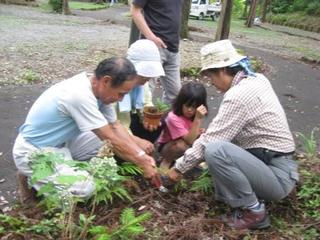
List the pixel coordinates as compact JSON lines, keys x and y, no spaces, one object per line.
{"x":264,"y":10}
{"x":223,"y":28}
{"x":245,"y":9}
{"x":252,"y":13}
{"x":184,"y":31}
{"x":66,"y":8}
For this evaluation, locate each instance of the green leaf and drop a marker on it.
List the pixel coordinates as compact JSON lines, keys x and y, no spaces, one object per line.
{"x":69,"y":179}
{"x":98,"y":230}
{"x":46,"y":189}
{"x":104,"y":236}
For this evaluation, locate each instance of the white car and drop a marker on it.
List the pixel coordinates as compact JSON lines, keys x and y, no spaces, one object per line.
{"x":202,"y":8}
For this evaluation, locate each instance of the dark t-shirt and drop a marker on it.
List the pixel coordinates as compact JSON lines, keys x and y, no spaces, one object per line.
{"x":163,"y":18}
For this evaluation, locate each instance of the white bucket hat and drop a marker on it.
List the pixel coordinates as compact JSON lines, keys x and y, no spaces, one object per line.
{"x":219,"y":54}
{"x":145,"y":56}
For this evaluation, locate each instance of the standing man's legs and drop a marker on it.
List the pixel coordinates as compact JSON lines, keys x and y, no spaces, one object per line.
{"x":171,"y":82}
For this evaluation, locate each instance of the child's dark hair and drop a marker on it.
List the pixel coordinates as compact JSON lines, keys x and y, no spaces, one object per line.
{"x":191,"y":94}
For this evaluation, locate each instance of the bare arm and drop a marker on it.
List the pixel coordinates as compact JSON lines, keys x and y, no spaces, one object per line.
{"x":196,"y":125}
{"x":126,"y":148}
{"x":142,"y":25}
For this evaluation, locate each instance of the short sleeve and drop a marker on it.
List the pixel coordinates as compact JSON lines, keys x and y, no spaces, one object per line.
{"x":84,"y":111}
{"x":108,"y":112}
{"x":176,"y":126}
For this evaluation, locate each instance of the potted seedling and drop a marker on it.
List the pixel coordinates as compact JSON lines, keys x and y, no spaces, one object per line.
{"x":153,"y":114}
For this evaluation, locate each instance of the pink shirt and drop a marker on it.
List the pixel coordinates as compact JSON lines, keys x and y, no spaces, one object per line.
{"x":176,"y":127}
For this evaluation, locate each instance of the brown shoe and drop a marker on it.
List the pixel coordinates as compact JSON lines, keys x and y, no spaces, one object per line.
{"x":248,"y":219}
{"x":27,"y":195}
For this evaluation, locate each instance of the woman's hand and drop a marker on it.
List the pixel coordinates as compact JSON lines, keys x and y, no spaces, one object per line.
{"x":174,"y":175}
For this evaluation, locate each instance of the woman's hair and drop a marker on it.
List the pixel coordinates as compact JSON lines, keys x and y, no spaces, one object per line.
{"x":191,"y":94}
{"x":232,"y":71}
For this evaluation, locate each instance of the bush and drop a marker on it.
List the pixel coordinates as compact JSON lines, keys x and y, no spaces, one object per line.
{"x":296,"y":20}
{"x":310,"y":7}
{"x":313,"y":9}
{"x":56,"y":5}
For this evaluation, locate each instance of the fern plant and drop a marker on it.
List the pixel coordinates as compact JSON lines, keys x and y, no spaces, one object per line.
{"x":309,"y":194}
{"x":130,"y":227}
{"x":128,"y":168}
{"x":203,"y":184}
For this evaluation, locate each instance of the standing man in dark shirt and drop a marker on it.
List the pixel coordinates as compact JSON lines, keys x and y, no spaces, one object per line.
{"x":159,"y":21}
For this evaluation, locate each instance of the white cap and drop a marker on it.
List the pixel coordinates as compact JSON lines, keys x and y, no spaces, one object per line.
{"x":219,"y":54}
{"x":145,"y":56}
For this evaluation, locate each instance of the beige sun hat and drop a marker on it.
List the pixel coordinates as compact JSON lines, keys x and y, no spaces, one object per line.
{"x":219,"y":54}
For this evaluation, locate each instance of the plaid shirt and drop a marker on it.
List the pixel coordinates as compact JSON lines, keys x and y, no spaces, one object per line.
{"x":249,"y":116}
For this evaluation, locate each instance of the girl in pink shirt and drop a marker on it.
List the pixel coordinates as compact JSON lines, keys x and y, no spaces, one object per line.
{"x":183,"y":123}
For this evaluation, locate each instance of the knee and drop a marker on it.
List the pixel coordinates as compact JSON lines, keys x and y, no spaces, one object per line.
{"x":181,"y":146}
{"x":215,"y":153}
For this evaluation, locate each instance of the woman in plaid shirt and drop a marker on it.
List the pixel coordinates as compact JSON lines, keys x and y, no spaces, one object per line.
{"x":248,"y":146}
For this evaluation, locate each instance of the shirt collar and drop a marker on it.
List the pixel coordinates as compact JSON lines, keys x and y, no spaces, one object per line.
{"x":238,"y":77}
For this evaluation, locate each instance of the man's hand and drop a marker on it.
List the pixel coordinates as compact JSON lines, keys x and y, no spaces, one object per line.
{"x":201,"y":112}
{"x":174,"y":175}
{"x":158,"y":41}
{"x":150,"y":171}
{"x":149,"y":127}
{"x":145,"y":145}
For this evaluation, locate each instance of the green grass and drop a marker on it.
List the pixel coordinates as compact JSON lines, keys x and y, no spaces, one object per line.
{"x":12,"y":21}
{"x":87,"y":6}
{"x":237,"y":27}
{"x":308,"y":53}
{"x":296,"y":20}
{"x":75,"y":6}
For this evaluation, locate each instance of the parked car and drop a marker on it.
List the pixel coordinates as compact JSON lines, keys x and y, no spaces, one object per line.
{"x":202,"y":8}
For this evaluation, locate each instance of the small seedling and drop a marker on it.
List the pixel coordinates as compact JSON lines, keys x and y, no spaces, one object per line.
{"x":29,"y":76}
{"x":161,"y":106}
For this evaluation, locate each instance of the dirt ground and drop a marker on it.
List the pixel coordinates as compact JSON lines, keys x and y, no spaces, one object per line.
{"x":53,"y":47}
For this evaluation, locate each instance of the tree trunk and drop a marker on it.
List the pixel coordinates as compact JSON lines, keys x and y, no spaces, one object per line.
{"x":134,"y":33}
{"x":223,"y":28}
{"x":252,"y":13}
{"x":245,"y":10}
{"x":264,"y":10}
{"x":65,"y":8}
{"x":184,"y":31}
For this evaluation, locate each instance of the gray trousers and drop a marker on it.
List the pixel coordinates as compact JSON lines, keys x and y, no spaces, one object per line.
{"x":171,"y":82}
{"x":241,"y":179}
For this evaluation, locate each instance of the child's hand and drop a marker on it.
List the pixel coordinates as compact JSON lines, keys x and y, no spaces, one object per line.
{"x":202,"y":130}
{"x":149,"y":127}
{"x":201,"y":112}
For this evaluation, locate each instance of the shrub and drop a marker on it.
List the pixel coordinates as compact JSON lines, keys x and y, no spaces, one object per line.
{"x":56,"y":5}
